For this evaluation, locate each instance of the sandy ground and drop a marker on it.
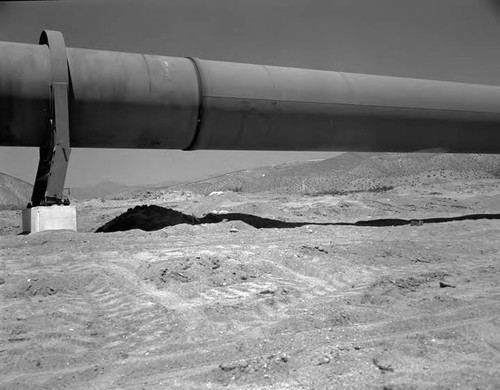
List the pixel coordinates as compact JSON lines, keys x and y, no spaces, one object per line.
{"x":227,"y":305}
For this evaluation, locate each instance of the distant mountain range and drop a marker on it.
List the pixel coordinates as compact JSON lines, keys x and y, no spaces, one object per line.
{"x":113,"y":190}
{"x":16,"y":193}
{"x":97,"y":191}
{"x":348,"y":172}
{"x":351,"y":172}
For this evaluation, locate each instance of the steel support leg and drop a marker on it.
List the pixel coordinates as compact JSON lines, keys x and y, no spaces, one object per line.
{"x":54,"y":155}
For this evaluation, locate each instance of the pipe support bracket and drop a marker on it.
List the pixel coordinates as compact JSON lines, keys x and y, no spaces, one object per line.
{"x":54,"y":155}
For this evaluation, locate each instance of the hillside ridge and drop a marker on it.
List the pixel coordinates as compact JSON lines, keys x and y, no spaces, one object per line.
{"x":352,"y":172}
{"x":14,"y":193}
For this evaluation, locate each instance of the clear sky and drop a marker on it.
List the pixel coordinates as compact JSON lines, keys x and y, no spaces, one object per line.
{"x":455,"y":40}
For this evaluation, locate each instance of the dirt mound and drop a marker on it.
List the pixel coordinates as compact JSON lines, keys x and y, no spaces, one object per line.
{"x":147,"y":218}
{"x":154,"y":217}
{"x":225,"y":305}
{"x":210,"y":269}
{"x":14,"y":193}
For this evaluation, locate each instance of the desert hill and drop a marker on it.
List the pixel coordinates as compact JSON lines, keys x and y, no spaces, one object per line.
{"x":348,"y":172}
{"x":14,"y":193}
{"x":383,"y":289}
{"x":168,"y":288}
{"x":353,"y":172}
{"x":114,"y":190}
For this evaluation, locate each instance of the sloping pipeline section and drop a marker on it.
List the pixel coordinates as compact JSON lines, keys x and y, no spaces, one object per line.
{"x":126,"y":100}
{"x":150,"y":218}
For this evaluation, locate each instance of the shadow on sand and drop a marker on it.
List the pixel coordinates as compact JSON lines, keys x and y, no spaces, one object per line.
{"x":153,"y":217}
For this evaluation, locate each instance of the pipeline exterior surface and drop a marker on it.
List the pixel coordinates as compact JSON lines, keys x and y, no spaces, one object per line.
{"x":125,"y":100}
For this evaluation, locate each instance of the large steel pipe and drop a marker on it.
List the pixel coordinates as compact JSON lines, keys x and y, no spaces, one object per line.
{"x":124,"y":100}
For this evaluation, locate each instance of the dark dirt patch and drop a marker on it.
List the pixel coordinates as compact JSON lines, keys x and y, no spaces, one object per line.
{"x":147,"y":218}
{"x":314,"y":249}
{"x":382,"y":365}
{"x":154,"y":217}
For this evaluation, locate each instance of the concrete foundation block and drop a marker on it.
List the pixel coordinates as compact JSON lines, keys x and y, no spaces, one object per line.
{"x":38,"y":219}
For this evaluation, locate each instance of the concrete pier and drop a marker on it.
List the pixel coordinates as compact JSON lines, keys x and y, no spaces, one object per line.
{"x":41,"y":218}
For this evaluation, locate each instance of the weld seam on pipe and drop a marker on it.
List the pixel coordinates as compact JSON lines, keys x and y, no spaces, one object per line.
{"x":199,"y":118}
{"x":351,"y":104}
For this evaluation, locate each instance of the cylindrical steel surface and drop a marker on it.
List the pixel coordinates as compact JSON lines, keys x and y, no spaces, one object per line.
{"x":123,"y":100}
{"x":25,"y":77}
{"x":117,"y":100}
{"x":256,"y":107}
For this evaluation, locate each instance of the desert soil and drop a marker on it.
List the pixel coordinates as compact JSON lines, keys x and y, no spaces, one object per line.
{"x":226,"y":305}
